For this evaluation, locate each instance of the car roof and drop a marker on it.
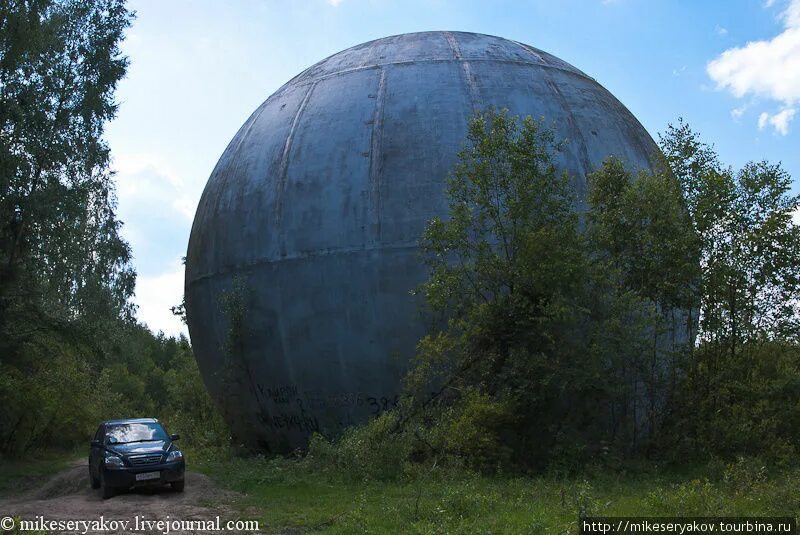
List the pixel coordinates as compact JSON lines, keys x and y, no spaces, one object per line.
{"x":130,"y":421}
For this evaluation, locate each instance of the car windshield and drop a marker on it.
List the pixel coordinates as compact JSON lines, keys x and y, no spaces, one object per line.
{"x":135,"y":432}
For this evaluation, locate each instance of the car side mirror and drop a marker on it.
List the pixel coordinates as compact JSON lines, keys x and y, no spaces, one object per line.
{"x":174,"y":436}
{"x":94,"y":444}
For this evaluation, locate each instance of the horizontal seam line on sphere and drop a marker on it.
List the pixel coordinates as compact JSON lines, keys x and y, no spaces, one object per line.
{"x":300,"y":80}
{"x":303,"y":256}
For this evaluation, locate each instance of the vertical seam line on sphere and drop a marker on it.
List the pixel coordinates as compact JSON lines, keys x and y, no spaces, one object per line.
{"x":453,"y":45}
{"x":233,"y":148}
{"x":376,"y":156}
{"x":468,"y":79}
{"x":582,"y":152}
{"x":530,"y":50}
{"x":471,"y":87}
{"x":287,"y":147}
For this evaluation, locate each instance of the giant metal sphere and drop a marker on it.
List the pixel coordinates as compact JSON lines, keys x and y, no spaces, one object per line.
{"x":316,"y":207}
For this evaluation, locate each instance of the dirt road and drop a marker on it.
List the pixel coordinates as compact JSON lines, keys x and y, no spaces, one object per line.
{"x":68,"y":496}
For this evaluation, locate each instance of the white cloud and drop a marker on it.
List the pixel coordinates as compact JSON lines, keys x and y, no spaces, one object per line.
{"x":736,"y":113}
{"x":157,"y":208}
{"x":762,"y":120}
{"x":155,"y":295}
{"x":721,"y":31}
{"x":792,"y":14}
{"x":678,"y":72}
{"x":167,"y":183}
{"x":334,"y":3}
{"x":780,"y":121}
{"x":768,"y":69}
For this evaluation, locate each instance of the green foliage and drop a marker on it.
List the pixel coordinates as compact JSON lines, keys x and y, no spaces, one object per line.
{"x":640,"y":225}
{"x":749,"y":244}
{"x":555,"y":325}
{"x":19,"y":475}
{"x":508,"y":271}
{"x":371,"y":451}
{"x":473,"y":429}
{"x":235,"y":373}
{"x":744,"y":474}
{"x":647,"y":254}
{"x":188,"y":407}
{"x":750,"y":407}
{"x":697,"y":497}
{"x":565,"y":340}
{"x":65,"y":274}
{"x":740,"y":395}
{"x":294,"y":495}
{"x":71,"y":353}
{"x":46,"y":398}
{"x":60,"y":250}
{"x":60,"y":396}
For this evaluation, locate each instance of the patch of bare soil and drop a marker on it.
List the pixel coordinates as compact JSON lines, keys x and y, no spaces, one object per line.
{"x":68,"y":496}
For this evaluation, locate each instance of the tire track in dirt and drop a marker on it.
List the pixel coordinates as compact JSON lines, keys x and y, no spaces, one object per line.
{"x":68,"y":496}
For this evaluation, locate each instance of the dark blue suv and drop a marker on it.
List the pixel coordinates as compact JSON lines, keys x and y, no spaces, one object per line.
{"x":134,"y":452}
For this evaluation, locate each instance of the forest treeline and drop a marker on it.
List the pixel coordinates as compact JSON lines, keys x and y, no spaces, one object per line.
{"x":71,"y":351}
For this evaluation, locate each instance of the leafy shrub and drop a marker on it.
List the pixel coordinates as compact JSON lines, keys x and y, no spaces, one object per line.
{"x":472,"y":428}
{"x":748,"y":406}
{"x":744,"y":475}
{"x":377,"y":450}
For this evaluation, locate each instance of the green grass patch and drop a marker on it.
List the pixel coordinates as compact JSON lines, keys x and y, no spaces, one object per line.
{"x":20,"y":475}
{"x":289,"y":495}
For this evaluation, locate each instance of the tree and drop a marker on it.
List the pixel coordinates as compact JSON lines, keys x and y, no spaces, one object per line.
{"x":749,"y":316}
{"x":65,"y":273}
{"x":59,"y":66}
{"x":750,"y":246}
{"x":533,"y":322}
{"x":560,"y":337}
{"x":640,"y":231}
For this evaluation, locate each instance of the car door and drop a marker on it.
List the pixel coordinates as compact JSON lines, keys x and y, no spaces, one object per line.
{"x":96,"y":452}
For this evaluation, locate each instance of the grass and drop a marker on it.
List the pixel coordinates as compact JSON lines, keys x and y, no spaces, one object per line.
{"x":289,"y":496}
{"x":20,"y":475}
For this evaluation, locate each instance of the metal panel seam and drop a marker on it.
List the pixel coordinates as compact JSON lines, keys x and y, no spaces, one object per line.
{"x":375,"y":157}
{"x":287,"y":147}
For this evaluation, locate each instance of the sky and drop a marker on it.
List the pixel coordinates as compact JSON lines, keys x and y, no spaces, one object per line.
{"x":198,"y":69}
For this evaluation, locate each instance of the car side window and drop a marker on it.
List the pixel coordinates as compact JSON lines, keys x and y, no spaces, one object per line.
{"x":99,"y":434}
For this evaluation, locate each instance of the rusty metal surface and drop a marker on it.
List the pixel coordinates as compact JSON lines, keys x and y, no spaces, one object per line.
{"x":319,"y":200}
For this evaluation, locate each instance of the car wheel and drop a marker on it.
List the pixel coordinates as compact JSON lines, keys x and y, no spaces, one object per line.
{"x":107,"y":490}
{"x":177,"y":486}
{"x":94,"y":481}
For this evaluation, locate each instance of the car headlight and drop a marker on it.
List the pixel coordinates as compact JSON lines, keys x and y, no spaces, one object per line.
{"x":113,"y":461}
{"x":174,"y":455}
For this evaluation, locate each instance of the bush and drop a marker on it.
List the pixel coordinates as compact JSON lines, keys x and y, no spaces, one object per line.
{"x":474,"y":429}
{"x":64,"y":386}
{"x":740,"y":405}
{"x":377,"y":450}
{"x":744,"y":475}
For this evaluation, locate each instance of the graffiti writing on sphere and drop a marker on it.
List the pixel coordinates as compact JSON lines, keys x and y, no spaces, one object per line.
{"x":299,"y":412}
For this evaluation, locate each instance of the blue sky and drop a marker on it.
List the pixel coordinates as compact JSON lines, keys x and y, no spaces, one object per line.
{"x":198,"y":69}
